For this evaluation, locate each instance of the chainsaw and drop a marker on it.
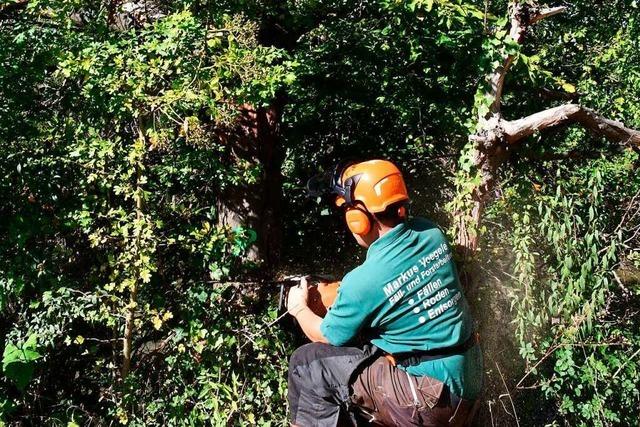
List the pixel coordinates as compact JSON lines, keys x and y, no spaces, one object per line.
{"x":322,"y":292}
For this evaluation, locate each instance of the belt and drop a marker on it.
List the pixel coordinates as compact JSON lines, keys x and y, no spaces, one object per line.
{"x":413,"y":358}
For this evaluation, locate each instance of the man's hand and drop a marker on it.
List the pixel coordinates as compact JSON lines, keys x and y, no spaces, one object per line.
{"x":297,"y":307}
{"x":298,"y":296}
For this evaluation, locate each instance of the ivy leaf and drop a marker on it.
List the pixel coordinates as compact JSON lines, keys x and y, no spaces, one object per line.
{"x":145,"y":275}
{"x":429,"y":5}
{"x":17,"y":361}
{"x":157,"y":322}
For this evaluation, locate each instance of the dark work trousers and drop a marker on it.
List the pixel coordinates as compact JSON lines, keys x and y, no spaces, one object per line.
{"x":328,"y":384}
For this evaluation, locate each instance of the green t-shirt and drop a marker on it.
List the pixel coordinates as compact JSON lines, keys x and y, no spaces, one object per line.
{"x":407,"y":296}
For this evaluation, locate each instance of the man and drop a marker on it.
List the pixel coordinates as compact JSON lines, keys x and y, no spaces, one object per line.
{"x":398,"y":341}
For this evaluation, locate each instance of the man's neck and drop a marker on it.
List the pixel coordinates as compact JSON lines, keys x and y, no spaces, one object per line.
{"x":378,"y":230}
{"x":385,"y":228}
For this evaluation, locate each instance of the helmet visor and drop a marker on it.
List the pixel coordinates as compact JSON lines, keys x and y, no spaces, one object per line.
{"x":328,"y":182}
{"x":319,"y":185}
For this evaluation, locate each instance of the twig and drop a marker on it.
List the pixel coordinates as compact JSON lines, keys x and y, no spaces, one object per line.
{"x":547,"y":354}
{"x":106,"y":341}
{"x":515,"y":415}
{"x":484,"y":26}
{"x":491,"y":412}
{"x":503,"y":405}
{"x":626,"y":211}
{"x":622,"y":286}
{"x":270,"y":324}
{"x":625,"y":363}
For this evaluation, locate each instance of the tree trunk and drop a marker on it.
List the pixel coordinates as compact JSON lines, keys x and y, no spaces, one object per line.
{"x":257,"y":205}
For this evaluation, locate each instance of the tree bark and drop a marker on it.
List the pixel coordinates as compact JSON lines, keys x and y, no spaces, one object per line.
{"x":257,"y":205}
{"x":8,"y":8}
{"x":516,"y":130}
{"x":522,"y":16}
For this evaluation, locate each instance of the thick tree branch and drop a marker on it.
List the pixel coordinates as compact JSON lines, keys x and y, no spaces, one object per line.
{"x":496,"y":79}
{"x":546,"y":13}
{"x":516,"y":130}
{"x":522,"y":16}
{"x":494,"y":135}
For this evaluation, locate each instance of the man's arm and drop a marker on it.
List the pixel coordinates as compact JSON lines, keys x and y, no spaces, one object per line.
{"x":310,"y":325}
{"x":297,"y":305}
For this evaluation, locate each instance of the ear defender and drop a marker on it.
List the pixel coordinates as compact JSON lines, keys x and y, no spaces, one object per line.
{"x":358,"y":221}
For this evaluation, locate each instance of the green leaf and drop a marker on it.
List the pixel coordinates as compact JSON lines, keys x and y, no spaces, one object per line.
{"x":145,"y":276}
{"x":429,"y":5}
{"x":17,"y":361}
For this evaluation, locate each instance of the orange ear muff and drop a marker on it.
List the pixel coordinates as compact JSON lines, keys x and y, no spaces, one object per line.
{"x":402,"y":212}
{"x":358,"y":221}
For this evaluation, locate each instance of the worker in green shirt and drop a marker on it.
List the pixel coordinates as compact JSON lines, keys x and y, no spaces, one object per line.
{"x":397,"y":347}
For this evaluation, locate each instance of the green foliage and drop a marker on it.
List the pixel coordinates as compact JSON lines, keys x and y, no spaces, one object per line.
{"x":204,"y":376}
{"x":568,"y":241}
{"x":379,"y":78}
{"x":574,"y":319}
{"x":574,"y":239}
{"x":17,"y":361}
{"x":118,"y":162}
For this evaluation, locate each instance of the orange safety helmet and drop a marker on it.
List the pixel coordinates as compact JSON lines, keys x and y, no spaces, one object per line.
{"x":374,"y":185}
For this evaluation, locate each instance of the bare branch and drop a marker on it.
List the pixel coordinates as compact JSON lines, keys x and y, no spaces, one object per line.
{"x":518,"y":16}
{"x":496,"y":83}
{"x":516,"y":130}
{"x":546,"y":13}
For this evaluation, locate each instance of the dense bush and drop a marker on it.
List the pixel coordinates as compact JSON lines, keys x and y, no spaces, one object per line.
{"x":111,"y":237}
